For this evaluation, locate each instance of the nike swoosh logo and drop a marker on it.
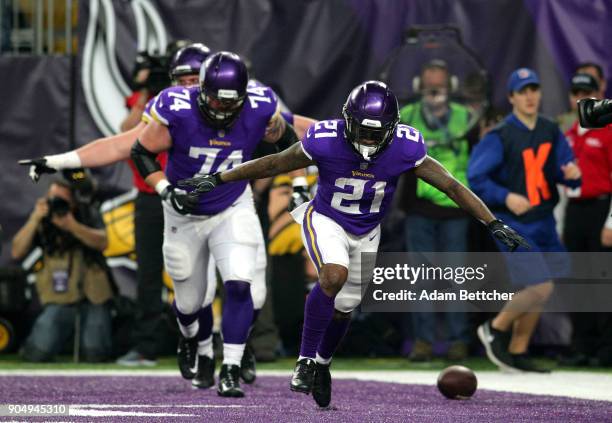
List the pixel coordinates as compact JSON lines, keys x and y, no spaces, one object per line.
{"x":373,"y":236}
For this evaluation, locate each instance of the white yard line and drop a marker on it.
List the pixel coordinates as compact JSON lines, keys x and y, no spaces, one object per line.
{"x":586,"y":385}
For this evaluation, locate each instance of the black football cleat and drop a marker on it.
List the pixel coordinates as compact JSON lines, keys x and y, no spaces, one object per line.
{"x":205,"y":376}
{"x":229,"y":382}
{"x":187,"y":353}
{"x":247,"y":366}
{"x":322,"y":386}
{"x":496,"y":346}
{"x":303,"y":376}
{"x":524,"y":363}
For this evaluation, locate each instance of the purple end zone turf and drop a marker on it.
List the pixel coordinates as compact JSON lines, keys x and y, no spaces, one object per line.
{"x":270,"y":400}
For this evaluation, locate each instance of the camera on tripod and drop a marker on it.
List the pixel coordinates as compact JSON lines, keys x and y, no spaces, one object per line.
{"x":594,"y":113}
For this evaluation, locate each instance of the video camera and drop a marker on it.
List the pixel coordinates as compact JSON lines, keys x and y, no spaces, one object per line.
{"x":595,"y":113}
{"x":157,"y":65}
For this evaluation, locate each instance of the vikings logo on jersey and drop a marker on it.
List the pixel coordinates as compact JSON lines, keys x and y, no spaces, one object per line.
{"x":352,"y":191}
{"x":199,"y":149}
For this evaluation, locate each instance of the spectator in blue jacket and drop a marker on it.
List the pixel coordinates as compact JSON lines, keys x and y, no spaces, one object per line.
{"x":515,"y":169}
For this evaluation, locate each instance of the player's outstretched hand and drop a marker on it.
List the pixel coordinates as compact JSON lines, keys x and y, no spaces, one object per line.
{"x":182,"y":202}
{"x":299,"y":196}
{"x":506,"y":235}
{"x":37,"y":167}
{"x":201,"y":184}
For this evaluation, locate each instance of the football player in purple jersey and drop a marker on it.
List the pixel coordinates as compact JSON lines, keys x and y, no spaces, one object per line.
{"x":184,"y":71}
{"x":206,"y":129}
{"x":360,"y":159}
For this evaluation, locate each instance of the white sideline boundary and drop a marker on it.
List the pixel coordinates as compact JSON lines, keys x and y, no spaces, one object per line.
{"x":584,"y":385}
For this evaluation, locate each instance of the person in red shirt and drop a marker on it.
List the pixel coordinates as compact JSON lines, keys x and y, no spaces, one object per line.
{"x":588,"y":225}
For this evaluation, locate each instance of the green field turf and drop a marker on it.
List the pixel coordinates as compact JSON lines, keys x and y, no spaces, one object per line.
{"x":13,"y":362}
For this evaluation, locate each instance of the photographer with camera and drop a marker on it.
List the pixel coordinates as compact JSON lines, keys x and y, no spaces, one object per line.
{"x":72,"y":285}
{"x":149,"y":77}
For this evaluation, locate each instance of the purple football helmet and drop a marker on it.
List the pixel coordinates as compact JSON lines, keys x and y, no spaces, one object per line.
{"x":188,"y":60}
{"x":223,"y":84}
{"x":371,"y":114}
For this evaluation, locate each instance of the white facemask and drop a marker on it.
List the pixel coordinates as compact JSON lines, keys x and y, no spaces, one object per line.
{"x":366,"y":151}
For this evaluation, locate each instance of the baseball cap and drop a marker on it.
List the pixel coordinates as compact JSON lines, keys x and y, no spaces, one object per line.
{"x":520,"y":78}
{"x":584,"y":82}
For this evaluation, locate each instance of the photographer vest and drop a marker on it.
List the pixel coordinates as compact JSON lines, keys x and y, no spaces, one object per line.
{"x":66,"y":278}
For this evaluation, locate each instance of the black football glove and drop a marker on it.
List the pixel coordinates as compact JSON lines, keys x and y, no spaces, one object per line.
{"x":201,"y":184}
{"x":182,"y":202}
{"x":506,"y":235}
{"x":37,"y":167}
{"x":300,"y":196}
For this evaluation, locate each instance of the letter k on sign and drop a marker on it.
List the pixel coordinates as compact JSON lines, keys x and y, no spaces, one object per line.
{"x":535,"y":182}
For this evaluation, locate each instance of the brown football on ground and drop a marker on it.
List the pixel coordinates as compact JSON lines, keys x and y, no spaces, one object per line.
{"x":457,"y":382}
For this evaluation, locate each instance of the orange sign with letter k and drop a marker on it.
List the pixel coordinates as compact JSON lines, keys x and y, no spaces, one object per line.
{"x":535,"y":181}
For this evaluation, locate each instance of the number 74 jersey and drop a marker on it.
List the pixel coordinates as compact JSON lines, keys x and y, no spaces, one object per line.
{"x":199,"y":149}
{"x":354,"y":192}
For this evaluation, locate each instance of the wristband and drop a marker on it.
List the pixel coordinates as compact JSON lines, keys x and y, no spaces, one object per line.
{"x":161,"y":186}
{"x":69,"y":160}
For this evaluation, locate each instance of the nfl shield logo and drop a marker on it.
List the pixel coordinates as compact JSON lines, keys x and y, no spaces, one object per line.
{"x":363,"y":165}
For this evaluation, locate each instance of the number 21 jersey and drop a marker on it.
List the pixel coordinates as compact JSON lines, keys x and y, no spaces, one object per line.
{"x":354,"y":192}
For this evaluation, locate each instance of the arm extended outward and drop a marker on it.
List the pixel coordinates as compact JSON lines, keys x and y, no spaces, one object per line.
{"x":100,"y":152}
{"x":432,"y":172}
{"x":287,"y":160}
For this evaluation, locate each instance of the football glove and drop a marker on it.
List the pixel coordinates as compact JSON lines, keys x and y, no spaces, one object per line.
{"x":37,"y":167}
{"x":201,"y":184}
{"x":182,"y":202}
{"x":506,"y":235}
{"x":299,"y":196}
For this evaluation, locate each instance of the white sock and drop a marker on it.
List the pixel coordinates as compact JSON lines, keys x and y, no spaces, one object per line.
{"x":205,"y":347}
{"x":232,"y":353}
{"x":324,"y":361}
{"x":301,"y":357}
{"x":189,"y":331}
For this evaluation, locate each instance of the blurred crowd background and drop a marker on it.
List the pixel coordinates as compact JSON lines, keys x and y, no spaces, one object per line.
{"x":68,"y":76}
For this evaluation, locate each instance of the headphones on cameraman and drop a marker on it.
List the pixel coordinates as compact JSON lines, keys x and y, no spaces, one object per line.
{"x":453,"y":81}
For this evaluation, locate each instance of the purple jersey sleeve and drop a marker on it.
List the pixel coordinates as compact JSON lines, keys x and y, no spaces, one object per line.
{"x":320,"y":138}
{"x":285,"y":111}
{"x":263,"y":102}
{"x":413,"y":148}
{"x":171,"y":105}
